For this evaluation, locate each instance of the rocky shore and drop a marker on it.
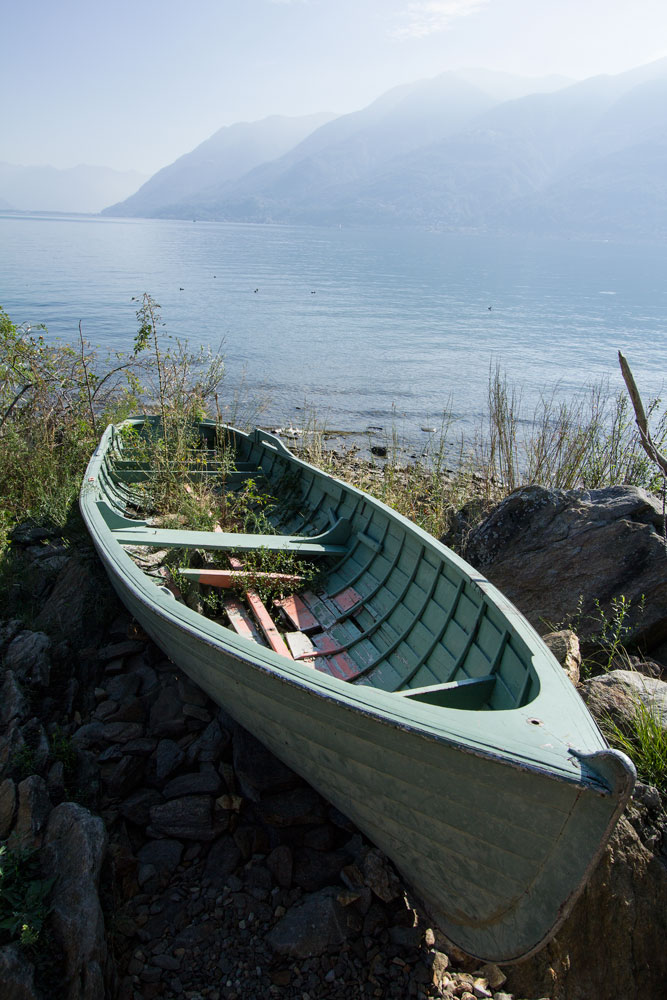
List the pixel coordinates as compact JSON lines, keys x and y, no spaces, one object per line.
{"x":187,"y":862}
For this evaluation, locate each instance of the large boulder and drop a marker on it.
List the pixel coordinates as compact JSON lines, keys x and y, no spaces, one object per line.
{"x":74,"y":848}
{"x":566,"y":556}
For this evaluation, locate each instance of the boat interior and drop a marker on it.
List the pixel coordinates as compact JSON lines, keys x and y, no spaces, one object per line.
{"x":388,"y":608}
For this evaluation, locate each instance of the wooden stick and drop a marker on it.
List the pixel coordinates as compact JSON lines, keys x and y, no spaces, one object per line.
{"x":640,"y":416}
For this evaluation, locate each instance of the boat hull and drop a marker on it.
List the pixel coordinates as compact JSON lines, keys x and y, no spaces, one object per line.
{"x":496,"y":845}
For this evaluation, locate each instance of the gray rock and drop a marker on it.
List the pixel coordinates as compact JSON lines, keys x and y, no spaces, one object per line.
{"x":280,"y":863}
{"x":124,"y":776}
{"x":316,"y":869}
{"x":122,"y":732}
{"x":310,"y":928}
{"x":13,"y":703}
{"x":137,"y":806}
{"x":91,"y":734}
{"x":34,"y":806}
{"x":122,"y":687}
{"x":8,"y":631}
{"x":616,"y":695}
{"x":17,"y":974}
{"x":206,"y":781}
{"x":166,"y":714}
{"x":74,"y":848}
{"x":546,"y":548}
{"x":28,"y":656}
{"x":8,"y":803}
{"x":210,"y":745}
{"x":188,"y":818}
{"x":565,"y":647}
{"x":75,"y":596}
{"x":164,"y":855}
{"x":223,"y":859}
{"x":167,"y":757}
{"x":126,"y":647}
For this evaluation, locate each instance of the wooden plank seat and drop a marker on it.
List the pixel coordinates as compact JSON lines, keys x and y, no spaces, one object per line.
{"x":128,"y":531}
{"x":468,"y":693}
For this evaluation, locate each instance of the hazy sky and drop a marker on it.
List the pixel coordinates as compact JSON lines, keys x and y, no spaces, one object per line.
{"x":133,"y":84}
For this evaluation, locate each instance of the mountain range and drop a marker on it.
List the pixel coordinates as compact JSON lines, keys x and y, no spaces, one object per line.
{"x":466,"y":150}
{"x":77,"y":189}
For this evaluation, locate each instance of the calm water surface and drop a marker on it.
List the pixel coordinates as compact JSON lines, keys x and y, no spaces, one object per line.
{"x":363,"y":326}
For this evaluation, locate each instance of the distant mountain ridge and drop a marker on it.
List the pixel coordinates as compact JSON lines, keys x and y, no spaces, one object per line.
{"x":453,"y":152}
{"x":85,"y":189}
{"x":227,"y":155}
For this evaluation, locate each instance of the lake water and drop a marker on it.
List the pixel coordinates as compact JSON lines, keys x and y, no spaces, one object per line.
{"x":365,"y":327}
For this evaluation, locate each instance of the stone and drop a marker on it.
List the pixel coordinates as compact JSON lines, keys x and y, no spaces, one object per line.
{"x":565,"y":647}
{"x":187,"y":818}
{"x":8,"y":631}
{"x":8,"y":803}
{"x":17,"y":974}
{"x":55,"y":782}
{"x":122,"y":732}
{"x":205,"y":781}
{"x":313,"y":870}
{"x":548,"y":549}
{"x":379,"y":876}
{"x":310,"y":928}
{"x":615,"y":695}
{"x":34,"y":806}
{"x":280,"y":863}
{"x":210,"y":745}
{"x":28,"y":656}
{"x":13,"y":703}
{"x":166,"y":714}
{"x":124,"y":776}
{"x":74,"y":848}
{"x":126,"y":647}
{"x":137,"y":806}
{"x":122,"y":687}
{"x":74,"y":599}
{"x":166,"y":758}
{"x":494,"y":975}
{"x":164,"y":855}
{"x":223,"y":858}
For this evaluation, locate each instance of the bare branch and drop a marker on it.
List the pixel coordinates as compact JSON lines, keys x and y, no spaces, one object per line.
{"x":640,"y":416}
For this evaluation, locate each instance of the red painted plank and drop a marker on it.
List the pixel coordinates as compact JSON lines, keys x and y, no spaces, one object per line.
{"x":297,"y":613}
{"x":241,"y":621}
{"x":347,"y":599}
{"x":267,"y":625}
{"x":339,"y":664}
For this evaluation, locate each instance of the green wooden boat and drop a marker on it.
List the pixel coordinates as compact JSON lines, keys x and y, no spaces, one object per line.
{"x":413,"y":695}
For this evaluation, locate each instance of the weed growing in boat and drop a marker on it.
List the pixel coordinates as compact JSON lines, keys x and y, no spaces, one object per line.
{"x":644,"y":738}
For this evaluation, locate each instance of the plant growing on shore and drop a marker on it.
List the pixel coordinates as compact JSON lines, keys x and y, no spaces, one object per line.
{"x":23,"y":896}
{"x":644,"y":739}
